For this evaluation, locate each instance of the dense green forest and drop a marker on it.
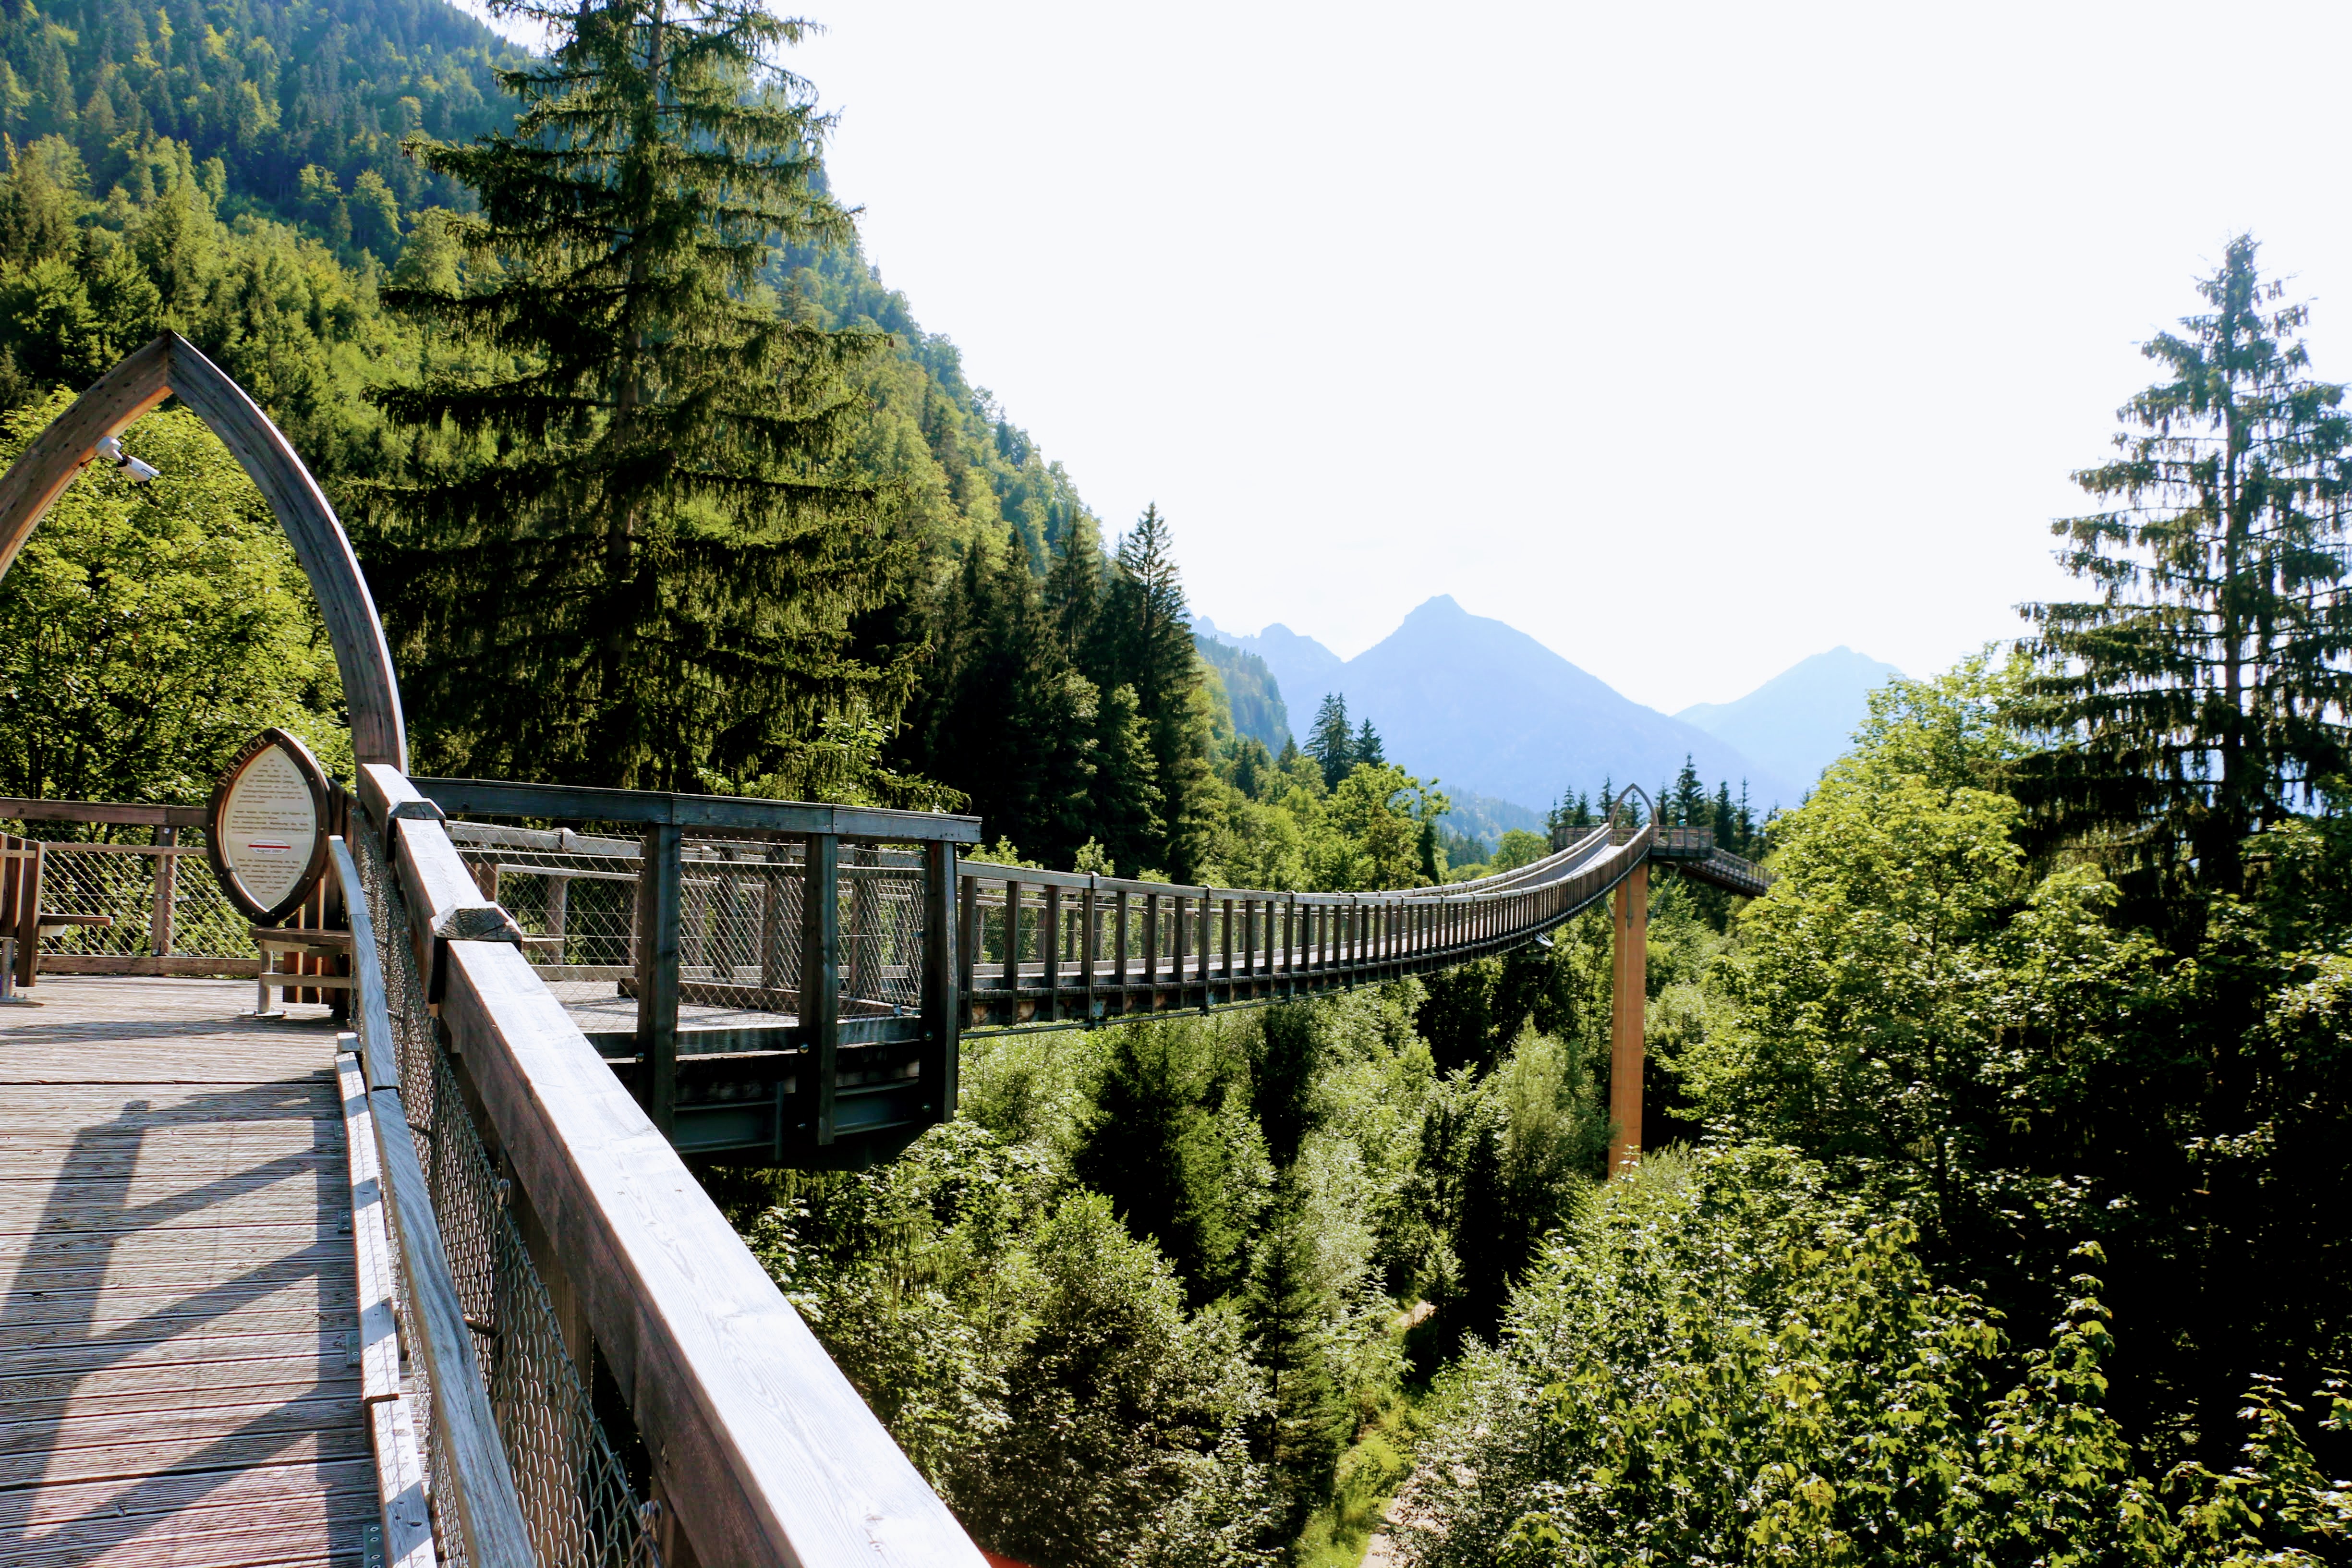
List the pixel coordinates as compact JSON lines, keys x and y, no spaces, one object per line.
{"x":304,"y":105}
{"x":1995,"y":1208}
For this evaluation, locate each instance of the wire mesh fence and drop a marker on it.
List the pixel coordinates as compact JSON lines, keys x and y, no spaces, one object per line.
{"x":577,"y":899}
{"x":124,"y":881}
{"x":575,"y":1492}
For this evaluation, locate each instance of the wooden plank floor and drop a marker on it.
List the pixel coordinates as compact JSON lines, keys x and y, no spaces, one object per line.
{"x":176,"y":1287}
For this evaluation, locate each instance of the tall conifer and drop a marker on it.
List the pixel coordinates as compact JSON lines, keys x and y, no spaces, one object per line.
{"x":633,"y":556}
{"x":1073,"y":587}
{"x":1689,"y":807}
{"x":1330,"y":743}
{"x":1144,"y":639}
{"x":2206,"y":684}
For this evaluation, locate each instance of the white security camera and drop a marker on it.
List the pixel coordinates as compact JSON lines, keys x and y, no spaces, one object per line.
{"x":111,"y":451}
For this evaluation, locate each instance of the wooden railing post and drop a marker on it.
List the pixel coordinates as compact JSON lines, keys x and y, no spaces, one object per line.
{"x":1091,"y":936}
{"x":1118,"y":949}
{"x":30,"y":862}
{"x":772,"y":920}
{"x":820,"y":990}
{"x":942,"y":1009}
{"x":1628,"y":982}
{"x":1050,"y":951}
{"x":1180,"y":919}
{"x":559,"y":912}
{"x":167,"y":888}
{"x":1292,"y":940}
{"x":1152,"y":948}
{"x":659,"y":876}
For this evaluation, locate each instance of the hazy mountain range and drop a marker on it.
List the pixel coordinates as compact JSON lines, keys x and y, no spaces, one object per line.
{"x":1493,"y":713}
{"x":1798,"y":721}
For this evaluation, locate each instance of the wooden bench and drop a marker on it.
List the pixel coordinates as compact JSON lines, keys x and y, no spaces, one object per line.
{"x":52,"y":923}
{"x":275,"y":940}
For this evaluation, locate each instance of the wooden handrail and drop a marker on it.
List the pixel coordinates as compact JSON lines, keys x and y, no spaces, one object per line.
{"x":759,"y":1444}
{"x":136,"y":813}
{"x":488,"y":1511}
{"x":500,"y":798}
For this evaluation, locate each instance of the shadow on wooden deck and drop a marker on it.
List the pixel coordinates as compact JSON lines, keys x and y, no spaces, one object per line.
{"x":176,"y":1382}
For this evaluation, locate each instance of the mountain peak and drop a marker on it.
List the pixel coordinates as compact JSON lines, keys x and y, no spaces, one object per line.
{"x":1801,"y":720}
{"x":1491,"y":711}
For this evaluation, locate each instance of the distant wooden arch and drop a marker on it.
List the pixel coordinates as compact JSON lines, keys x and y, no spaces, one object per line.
{"x":170,"y":365}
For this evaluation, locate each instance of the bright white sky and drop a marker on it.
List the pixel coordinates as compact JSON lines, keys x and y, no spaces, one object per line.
{"x":1691,"y":339}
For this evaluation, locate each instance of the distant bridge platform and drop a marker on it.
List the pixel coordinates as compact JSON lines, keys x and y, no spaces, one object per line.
{"x":178,"y":1381}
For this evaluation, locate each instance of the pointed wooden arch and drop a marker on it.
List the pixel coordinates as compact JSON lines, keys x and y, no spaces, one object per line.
{"x":170,"y":366}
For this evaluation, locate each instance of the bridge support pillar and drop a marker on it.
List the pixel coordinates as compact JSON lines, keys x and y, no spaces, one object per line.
{"x":1629,"y":986}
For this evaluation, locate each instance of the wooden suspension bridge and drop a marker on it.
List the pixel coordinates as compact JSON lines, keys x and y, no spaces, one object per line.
{"x":342,"y":1288}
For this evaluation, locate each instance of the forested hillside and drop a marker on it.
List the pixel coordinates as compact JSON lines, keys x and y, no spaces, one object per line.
{"x":1993,"y":1207}
{"x":304,"y":104}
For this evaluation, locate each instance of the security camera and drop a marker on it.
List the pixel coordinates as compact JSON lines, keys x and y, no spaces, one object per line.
{"x":111,"y":451}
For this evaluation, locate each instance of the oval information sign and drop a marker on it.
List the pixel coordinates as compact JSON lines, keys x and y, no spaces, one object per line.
{"x":267,"y":840}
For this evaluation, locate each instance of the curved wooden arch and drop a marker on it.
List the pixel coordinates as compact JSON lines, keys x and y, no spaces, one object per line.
{"x":170,"y":366}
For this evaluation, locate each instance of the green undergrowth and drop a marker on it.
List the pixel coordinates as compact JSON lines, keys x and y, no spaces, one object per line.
{"x":1370,"y":1473}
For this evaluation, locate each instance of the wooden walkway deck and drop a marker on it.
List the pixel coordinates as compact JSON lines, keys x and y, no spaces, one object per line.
{"x":176,"y":1283}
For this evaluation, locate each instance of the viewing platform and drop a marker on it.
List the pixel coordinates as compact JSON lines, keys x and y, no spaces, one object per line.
{"x":179,"y":1378}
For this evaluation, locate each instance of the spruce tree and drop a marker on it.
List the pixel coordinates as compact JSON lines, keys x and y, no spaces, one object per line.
{"x":1330,"y":743}
{"x":1291,"y":1311}
{"x":1689,"y":798}
{"x":633,"y":553}
{"x":1006,"y":717}
{"x":1368,"y":748}
{"x":2203,"y":690}
{"x":1726,"y":827}
{"x":1073,"y":587}
{"x":1130,"y":810}
{"x":1142,"y":639}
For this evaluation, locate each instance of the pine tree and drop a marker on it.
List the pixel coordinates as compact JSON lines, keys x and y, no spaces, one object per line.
{"x":1330,"y":743}
{"x":1726,"y":827}
{"x":1368,"y":748}
{"x":2204,"y":689}
{"x":634,"y":556}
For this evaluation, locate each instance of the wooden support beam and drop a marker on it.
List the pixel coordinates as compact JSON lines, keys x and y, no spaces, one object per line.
{"x":660,"y":873}
{"x":820,"y":998}
{"x":1629,"y":991}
